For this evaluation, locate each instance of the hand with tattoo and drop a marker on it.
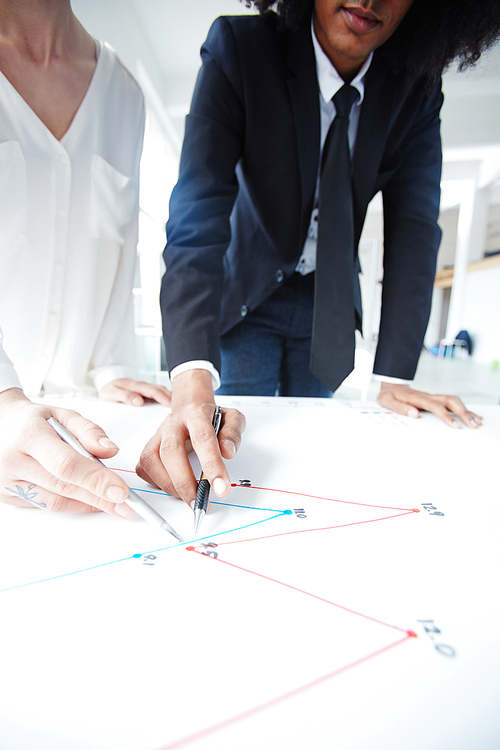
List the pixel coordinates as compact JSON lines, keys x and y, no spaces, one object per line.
{"x":37,"y":469}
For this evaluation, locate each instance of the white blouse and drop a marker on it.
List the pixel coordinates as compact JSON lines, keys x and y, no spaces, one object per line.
{"x":68,"y":237}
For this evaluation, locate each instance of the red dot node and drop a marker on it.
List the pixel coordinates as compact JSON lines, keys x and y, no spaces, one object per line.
{"x":411,"y":634}
{"x":415,"y":510}
{"x":190,"y":549}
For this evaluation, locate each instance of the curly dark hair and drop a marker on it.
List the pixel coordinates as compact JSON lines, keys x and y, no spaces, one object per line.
{"x":432,"y":35}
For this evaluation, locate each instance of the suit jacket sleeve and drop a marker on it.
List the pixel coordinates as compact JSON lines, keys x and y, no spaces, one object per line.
{"x":198,"y":230}
{"x":411,"y":242}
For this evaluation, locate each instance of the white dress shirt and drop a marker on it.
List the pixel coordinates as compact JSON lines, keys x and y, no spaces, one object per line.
{"x":68,"y":237}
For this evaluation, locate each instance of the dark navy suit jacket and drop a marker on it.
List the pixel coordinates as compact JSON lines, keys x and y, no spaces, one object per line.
{"x":240,"y":212}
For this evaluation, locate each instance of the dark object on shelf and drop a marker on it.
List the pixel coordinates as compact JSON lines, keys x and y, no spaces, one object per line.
{"x":464,"y":336}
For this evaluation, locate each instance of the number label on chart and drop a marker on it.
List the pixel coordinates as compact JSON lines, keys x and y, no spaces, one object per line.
{"x":148,"y":559}
{"x":244,"y":483}
{"x":300,"y":513}
{"x":433,"y":511}
{"x":432,"y":631}
{"x":209,"y":550}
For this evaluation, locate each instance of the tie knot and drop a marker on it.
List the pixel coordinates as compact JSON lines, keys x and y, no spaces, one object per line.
{"x":344,"y":99}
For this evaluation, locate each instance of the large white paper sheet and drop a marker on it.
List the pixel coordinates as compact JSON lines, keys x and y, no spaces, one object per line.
{"x":346,"y":599}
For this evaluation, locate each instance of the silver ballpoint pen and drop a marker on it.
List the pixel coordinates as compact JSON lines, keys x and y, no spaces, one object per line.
{"x":134,"y":501}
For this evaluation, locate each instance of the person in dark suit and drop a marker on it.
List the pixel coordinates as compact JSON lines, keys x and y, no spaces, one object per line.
{"x":241,"y":248}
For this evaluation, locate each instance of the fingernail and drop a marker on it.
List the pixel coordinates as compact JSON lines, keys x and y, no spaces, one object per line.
{"x":219,"y":486}
{"x":137,"y":401}
{"x":107,"y":443}
{"x":116,"y":494}
{"x":191,"y":504}
{"x":230,"y":444}
{"x":412,"y":412}
{"x":123,"y":510}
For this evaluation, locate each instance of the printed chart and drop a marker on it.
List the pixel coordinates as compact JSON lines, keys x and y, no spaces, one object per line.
{"x":342,"y":596}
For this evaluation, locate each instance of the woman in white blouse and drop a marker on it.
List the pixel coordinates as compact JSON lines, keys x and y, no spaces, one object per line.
{"x":71,"y":129}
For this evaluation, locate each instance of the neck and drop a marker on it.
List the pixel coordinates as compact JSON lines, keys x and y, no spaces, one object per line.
{"x":41,"y":29}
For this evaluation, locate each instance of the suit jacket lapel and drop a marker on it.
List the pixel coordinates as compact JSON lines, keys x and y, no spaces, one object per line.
{"x":303,"y":90}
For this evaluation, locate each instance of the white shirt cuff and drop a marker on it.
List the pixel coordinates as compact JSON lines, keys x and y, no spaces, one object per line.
{"x":387,"y":379}
{"x":8,"y":377}
{"x":198,"y":364}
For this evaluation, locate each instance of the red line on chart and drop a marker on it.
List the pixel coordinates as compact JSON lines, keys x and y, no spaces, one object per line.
{"x":274,"y":701}
{"x":321,"y":528}
{"x":301,"y":494}
{"x":318,"y":497}
{"x":301,"y":591}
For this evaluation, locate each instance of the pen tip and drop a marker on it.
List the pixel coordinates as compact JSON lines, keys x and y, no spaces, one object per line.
{"x":166,"y":527}
{"x":198,"y":517}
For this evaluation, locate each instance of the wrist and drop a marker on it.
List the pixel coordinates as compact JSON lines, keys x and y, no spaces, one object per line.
{"x":11,"y":397}
{"x":192,"y":386}
{"x":12,"y":394}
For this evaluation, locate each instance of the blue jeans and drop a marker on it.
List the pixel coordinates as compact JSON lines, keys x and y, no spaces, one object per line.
{"x":267,"y":354}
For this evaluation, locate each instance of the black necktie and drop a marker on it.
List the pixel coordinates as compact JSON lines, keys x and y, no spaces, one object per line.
{"x":332,"y":349}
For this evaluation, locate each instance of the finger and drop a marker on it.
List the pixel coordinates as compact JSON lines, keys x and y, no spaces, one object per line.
{"x":28,"y":495}
{"x":90,"y":435}
{"x":387,"y":399}
{"x":119,"y":392}
{"x":151,"y":391}
{"x":33,"y":473}
{"x":174,"y":458}
{"x":233,"y":426}
{"x":441,"y":406}
{"x":134,"y":392}
{"x":476,"y":418}
{"x":456,"y":405}
{"x":150,"y":467}
{"x":62,"y":462}
{"x":206,"y":446}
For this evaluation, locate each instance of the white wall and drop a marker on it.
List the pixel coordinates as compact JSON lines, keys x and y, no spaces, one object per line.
{"x":117,"y":22}
{"x":481,"y":313}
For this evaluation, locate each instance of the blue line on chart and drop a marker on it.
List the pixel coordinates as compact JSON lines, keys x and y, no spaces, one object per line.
{"x":132,"y":557}
{"x":64,"y":575}
{"x":251,"y":507}
{"x":212,"y":502}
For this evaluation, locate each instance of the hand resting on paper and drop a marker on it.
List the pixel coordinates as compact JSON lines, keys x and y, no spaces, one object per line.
{"x":38,"y":469}
{"x":134,"y":392}
{"x":405,"y":400}
{"x":164,"y":461}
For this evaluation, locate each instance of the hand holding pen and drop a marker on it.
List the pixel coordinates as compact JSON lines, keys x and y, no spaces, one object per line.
{"x":133,"y":500}
{"x":38,"y":470}
{"x":164,"y":461}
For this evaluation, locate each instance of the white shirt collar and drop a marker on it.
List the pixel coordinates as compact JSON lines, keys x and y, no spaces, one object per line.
{"x":329,"y":80}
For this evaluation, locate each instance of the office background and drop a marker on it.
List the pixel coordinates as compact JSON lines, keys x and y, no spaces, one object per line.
{"x":159,"y":41}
